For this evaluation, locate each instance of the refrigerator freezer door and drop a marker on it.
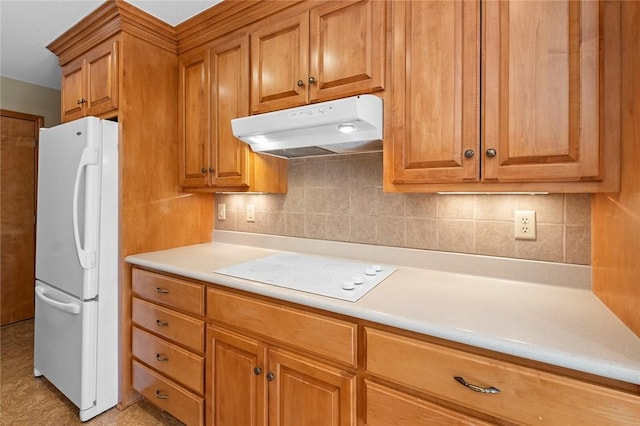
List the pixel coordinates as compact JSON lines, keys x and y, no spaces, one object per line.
{"x":69,"y":172}
{"x":65,"y":344}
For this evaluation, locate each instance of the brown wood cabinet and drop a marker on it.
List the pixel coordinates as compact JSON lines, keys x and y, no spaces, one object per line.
{"x":272,"y":362}
{"x":90,"y":83}
{"x":214,"y":88}
{"x":332,"y":50}
{"x":502,"y":390}
{"x":253,"y":380}
{"x":538,"y":124}
{"x":168,"y":344}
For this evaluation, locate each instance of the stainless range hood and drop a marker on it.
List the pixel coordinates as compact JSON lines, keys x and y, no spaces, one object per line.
{"x":344,"y":126}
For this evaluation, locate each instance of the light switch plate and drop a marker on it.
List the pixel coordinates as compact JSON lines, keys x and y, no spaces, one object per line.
{"x":222,"y":211}
{"x":525,"y":225}
{"x":251,"y":213}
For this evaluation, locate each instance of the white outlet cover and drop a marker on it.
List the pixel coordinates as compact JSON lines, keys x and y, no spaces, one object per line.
{"x":251,"y":213}
{"x":222,"y":211}
{"x":525,"y":225}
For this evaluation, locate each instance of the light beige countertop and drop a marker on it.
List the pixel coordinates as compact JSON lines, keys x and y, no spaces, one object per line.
{"x":535,"y":310}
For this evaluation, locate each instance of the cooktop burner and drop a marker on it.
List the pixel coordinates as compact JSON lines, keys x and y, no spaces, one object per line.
{"x":325,"y":276}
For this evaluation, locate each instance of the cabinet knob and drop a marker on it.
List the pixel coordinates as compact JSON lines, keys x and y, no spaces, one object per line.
{"x":300,"y":83}
{"x":82,"y":101}
{"x":161,"y":395}
{"x":491,"y":152}
{"x":270,"y":376}
{"x":257,"y":371}
{"x":211,"y":170}
{"x":469,"y":153}
{"x":476,"y":388}
{"x":312,"y":80}
{"x":203,"y":170}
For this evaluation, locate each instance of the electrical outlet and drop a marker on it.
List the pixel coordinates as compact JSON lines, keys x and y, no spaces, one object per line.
{"x":251,"y":213}
{"x":525,"y":225}
{"x":222,"y":211}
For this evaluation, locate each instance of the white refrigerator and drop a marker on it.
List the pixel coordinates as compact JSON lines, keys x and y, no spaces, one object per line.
{"x":76,"y":313}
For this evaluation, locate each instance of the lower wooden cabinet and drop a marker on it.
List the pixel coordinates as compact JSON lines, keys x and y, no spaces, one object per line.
{"x":499,"y":389}
{"x":265,"y":362}
{"x":252,"y":380}
{"x":389,"y":407}
{"x":168,"y":344}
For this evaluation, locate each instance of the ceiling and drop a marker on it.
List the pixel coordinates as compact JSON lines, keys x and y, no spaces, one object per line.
{"x":28,"y":26}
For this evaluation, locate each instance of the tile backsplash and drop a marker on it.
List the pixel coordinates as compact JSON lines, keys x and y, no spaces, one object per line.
{"x":341,"y":199}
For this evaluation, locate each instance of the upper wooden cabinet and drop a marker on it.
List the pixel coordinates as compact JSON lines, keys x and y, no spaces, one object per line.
{"x":90,"y":83}
{"x":214,"y":88}
{"x":330,"y":51}
{"x":542,"y":107}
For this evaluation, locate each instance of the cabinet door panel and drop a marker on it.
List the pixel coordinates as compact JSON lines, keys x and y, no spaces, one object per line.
{"x":101,"y":65}
{"x":72,"y":90}
{"x":230,"y":99}
{"x":305,"y":392}
{"x":194,"y":120}
{"x":386,"y":407}
{"x":347,"y":48}
{"x":541,"y":109}
{"x":279,"y":59}
{"x":236,"y":396}
{"x":436,"y":52}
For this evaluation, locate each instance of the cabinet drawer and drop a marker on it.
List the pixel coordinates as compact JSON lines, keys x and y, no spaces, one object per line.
{"x":173,"y":325}
{"x":180,"y":403}
{"x":527,"y":396}
{"x":386,"y":406}
{"x":328,"y":337}
{"x":169,"y":291}
{"x":178,"y":364}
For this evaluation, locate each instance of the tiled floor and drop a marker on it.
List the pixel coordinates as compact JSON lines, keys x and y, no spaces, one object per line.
{"x":26,"y":400}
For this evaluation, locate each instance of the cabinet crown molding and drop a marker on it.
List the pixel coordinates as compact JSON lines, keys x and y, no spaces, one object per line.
{"x":111,"y":18}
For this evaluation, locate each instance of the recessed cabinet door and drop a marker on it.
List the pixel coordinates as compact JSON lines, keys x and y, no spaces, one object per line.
{"x":236,"y":384}
{"x":306,"y":392}
{"x":346,"y":48}
{"x":436,"y":91}
{"x":230,"y":99}
{"x":193,"y":122}
{"x":541,"y":78}
{"x":279,"y":63}
{"x":72,"y":90}
{"x":101,"y":68}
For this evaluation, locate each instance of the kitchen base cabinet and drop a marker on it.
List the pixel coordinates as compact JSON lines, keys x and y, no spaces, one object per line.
{"x":236,"y":389}
{"x":279,"y":363}
{"x":166,"y":395}
{"x":388,"y":407}
{"x":255,"y":381}
{"x":168,"y":344}
{"x":502,"y":390}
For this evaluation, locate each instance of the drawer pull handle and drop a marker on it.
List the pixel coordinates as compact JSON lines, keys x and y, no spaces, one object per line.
{"x":476,"y":388}
{"x":161,"y":358}
{"x":161,"y":395}
{"x":161,"y":290}
{"x":162,"y":323}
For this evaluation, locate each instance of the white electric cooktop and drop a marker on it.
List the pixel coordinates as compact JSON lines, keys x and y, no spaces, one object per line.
{"x":337,"y":278}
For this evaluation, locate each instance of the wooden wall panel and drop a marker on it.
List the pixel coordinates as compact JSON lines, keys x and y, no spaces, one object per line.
{"x":616,"y":217}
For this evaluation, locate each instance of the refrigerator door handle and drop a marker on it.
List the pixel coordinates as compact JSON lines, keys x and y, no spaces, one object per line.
{"x":87,"y":257}
{"x":71,"y":308}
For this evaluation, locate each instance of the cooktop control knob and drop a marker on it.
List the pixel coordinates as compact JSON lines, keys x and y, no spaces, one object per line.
{"x":348,"y":285}
{"x":370,"y":271}
{"x":378,"y":268}
{"x":357,"y":280}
